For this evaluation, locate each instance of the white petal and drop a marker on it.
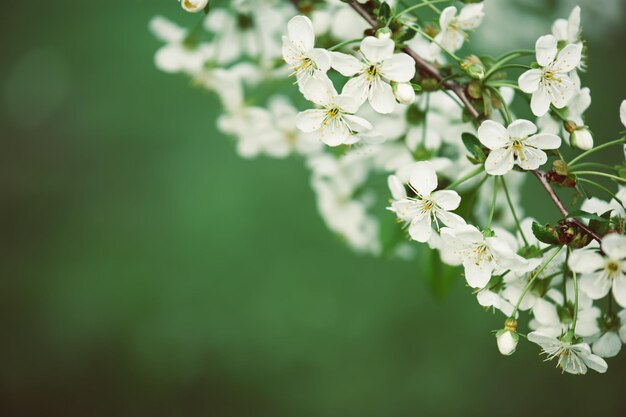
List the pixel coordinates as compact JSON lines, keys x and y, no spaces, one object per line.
{"x":493,"y":135}
{"x":622,"y":112}
{"x":358,"y":87}
{"x":346,"y":64}
{"x":562,"y":92}
{"x":477,"y":275}
{"x":521,"y":129}
{"x":568,"y":59}
{"x":499,"y":161}
{"x":347,"y":103}
{"x":377,"y":50}
{"x":447,"y":199}
{"x":619,"y":290}
{"x":334,"y":133}
{"x":546,"y":49}
{"x":530,"y":158}
{"x":420,"y":228}
{"x":399,"y":68}
{"x":545,"y":312}
{"x":614,"y":246}
{"x":608,"y":345}
{"x":450,"y":219}
{"x":300,"y":32}
{"x":423,"y":178}
{"x":321,"y":57}
{"x":396,"y":187}
{"x":540,"y":101}
{"x":544,"y":141}
{"x":381,"y":97}
{"x":596,"y":363}
{"x":470,"y":16}
{"x":357,"y":124}
{"x":585,"y":261}
{"x":529,"y":81}
{"x":595,"y":286}
{"x":310,"y":120}
{"x":447,"y":16}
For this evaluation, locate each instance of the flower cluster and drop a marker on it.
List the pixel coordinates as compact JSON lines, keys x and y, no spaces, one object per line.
{"x":387,"y":94}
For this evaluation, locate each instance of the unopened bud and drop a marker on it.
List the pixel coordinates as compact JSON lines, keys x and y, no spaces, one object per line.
{"x":404,"y":92}
{"x":507,"y":341}
{"x":384,"y":33}
{"x":194,"y":6}
{"x":581,"y":138}
{"x":570,"y":126}
{"x":473,"y":67}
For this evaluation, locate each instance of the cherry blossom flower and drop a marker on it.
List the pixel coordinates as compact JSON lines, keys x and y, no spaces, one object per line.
{"x":552,"y":83}
{"x":335,"y":124}
{"x":194,"y":6}
{"x":601,"y":274}
{"x":515,"y":145}
{"x":428,"y":206}
{"x":307,"y":62}
{"x":573,"y":358}
{"x":568,"y":30}
{"x":453,"y":26}
{"x":374,"y":73}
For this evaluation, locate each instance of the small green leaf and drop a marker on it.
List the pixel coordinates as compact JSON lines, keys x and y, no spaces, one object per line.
{"x":545,"y":234}
{"x":591,"y":216}
{"x":384,"y":13}
{"x":474,"y":147}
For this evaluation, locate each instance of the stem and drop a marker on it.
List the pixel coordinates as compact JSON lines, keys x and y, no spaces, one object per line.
{"x":590,"y":165}
{"x":532,"y":280}
{"x":507,"y":113}
{"x":496,"y":68}
{"x":600,"y":174}
{"x":575,"y":319}
{"x":425,"y":124}
{"x":504,"y":84}
{"x":344,"y":43}
{"x":517,"y":222}
{"x":417,"y":6}
{"x":597,"y":148}
{"x":493,"y":202}
{"x":565,"y":278}
{"x":603,"y":188}
{"x":467,"y":177}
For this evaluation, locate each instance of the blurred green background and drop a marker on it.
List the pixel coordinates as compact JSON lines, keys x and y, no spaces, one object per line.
{"x":149,"y":271}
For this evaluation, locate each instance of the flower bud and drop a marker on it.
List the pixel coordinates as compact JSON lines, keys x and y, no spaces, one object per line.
{"x":384,"y":33}
{"x":581,"y":138}
{"x":473,"y":67}
{"x":194,"y":6}
{"x":507,"y":341}
{"x":404,"y":92}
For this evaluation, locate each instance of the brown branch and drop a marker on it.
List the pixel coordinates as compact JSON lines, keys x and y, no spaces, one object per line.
{"x":541,"y":176}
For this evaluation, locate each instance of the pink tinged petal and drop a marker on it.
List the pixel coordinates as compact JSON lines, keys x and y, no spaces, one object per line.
{"x":420,"y":228}
{"x":399,"y":68}
{"x":321,"y":57}
{"x":381,"y":97}
{"x":499,"y":161}
{"x":345,"y":64}
{"x":608,"y":345}
{"x":396,"y":187}
{"x":568,"y":59}
{"x":546,"y":50}
{"x":619,"y":290}
{"x":521,"y":129}
{"x":358,"y":88}
{"x":540,"y":101}
{"x":595,"y":362}
{"x":310,"y":120}
{"x":477,"y":274}
{"x":300,"y":32}
{"x":614,"y":246}
{"x":446,"y":199}
{"x":585,"y":261}
{"x":529,"y":81}
{"x":493,"y":135}
{"x":423,"y":178}
{"x":544,"y":141}
{"x":376,"y":50}
{"x":357,"y":124}
{"x":595,"y":285}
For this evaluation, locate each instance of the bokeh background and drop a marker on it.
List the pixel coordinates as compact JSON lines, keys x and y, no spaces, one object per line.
{"x":146,"y":270}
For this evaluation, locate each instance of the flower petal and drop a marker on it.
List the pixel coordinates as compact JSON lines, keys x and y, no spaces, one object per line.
{"x":447,"y":199}
{"x":423,"y":178}
{"x":420,"y":228}
{"x":540,"y":101}
{"x":358,"y":88}
{"x":399,"y":68}
{"x":357,"y":124}
{"x":529,"y":158}
{"x":334,"y":132}
{"x":619,"y":290}
{"x":521,"y":129}
{"x":546,"y":49}
{"x":396,"y":187}
{"x":499,"y":161}
{"x":321,"y":57}
{"x":568,"y":59}
{"x":381,"y":97}
{"x":614,"y":246}
{"x":585,"y":261}
{"x":376,"y":50}
{"x":596,"y":363}
{"x":493,"y":135}
{"x":300,"y":32}
{"x":477,"y":274}
{"x":544,"y":141}
{"x":345,"y":64}
{"x":529,"y":81}
{"x":595,"y":286}
{"x":608,"y":345}
{"x":310,"y":120}
{"x":470,"y":16}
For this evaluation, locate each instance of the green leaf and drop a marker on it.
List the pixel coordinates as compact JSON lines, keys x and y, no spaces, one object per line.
{"x":474,"y":147}
{"x":545,"y":234}
{"x":585,"y":215}
{"x":601,"y":227}
{"x":384,"y":13}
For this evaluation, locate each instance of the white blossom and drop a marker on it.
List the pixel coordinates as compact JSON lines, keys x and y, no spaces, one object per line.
{"x":552,"y":83}
{"x":373,"y":74}
{"x":194,"y":6}
{"x":517,"y":144}
{"x":453,"y":26}
{"x":573,"y":358}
